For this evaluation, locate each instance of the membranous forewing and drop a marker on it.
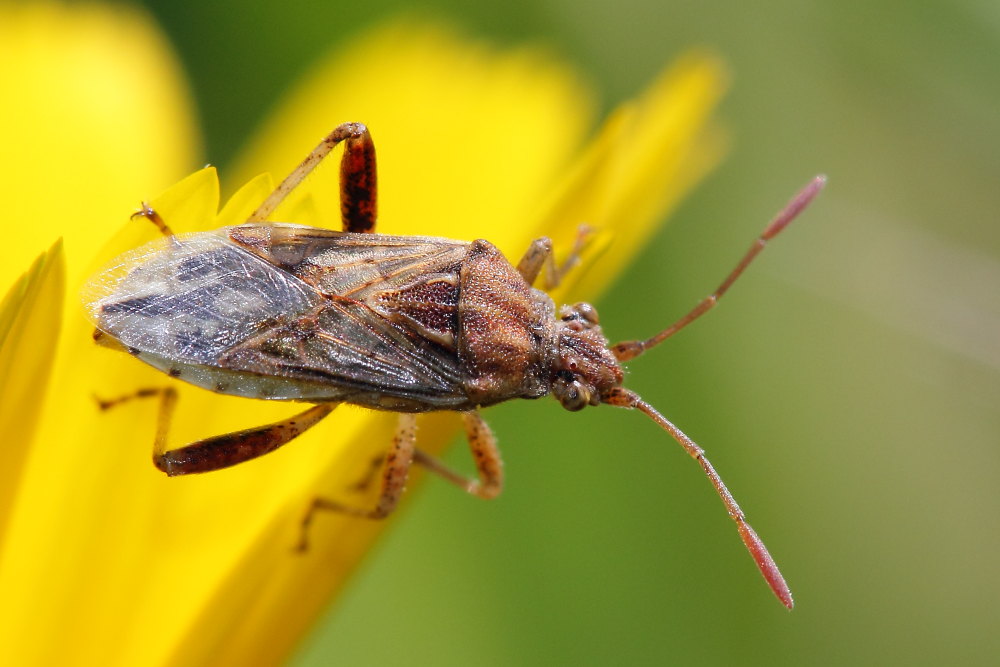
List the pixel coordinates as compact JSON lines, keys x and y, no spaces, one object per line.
{"x":293,"y":313}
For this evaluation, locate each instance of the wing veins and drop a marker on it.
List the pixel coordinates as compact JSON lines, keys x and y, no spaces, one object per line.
{"x":394,"y":274}
{"x":407,"y":349}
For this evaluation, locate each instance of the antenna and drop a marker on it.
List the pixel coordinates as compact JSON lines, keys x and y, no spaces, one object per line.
{"x":631,"y":349}
{"x":625,"y":398}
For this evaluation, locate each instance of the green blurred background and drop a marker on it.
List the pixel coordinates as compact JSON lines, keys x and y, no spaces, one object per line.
{"x":848,"y":390}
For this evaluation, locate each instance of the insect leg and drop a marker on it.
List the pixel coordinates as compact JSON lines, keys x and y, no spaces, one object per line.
{"x":223,"y":451}
{"x":168,"y":401}
{"x":167,"y":394}
{"x":484,"y":452}
{"x":365,"y":481}
{"x":539,"y":254}
{"x":630,"y":349}
{"x":358,"y":182}
{"x":394,"y":474}
{"x":624,"y":398}
{"x":147,"y":212}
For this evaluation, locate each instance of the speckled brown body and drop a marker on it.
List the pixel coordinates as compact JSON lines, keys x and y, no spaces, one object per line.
{"x":408,"y":324}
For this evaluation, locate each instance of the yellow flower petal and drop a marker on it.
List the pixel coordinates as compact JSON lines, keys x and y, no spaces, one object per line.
{"x":94,"y":115}
{"x":649,"y":154}
{"x":245,"y":201}
{"x":30,"y":320}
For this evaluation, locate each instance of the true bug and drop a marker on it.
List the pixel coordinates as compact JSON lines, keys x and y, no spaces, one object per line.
{"x":400,"y":323}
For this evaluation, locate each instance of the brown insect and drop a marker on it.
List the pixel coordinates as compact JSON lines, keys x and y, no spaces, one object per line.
{"x":407,"y":324}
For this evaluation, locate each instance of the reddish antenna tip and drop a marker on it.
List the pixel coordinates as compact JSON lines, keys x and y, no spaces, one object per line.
{"x":766,"y":564}
{"x":795,"y":206}
{"x":772,"y":575}
{"x":815,"y":185}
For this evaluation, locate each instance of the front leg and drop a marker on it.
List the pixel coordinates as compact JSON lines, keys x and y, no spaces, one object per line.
{"x":539,"y":254}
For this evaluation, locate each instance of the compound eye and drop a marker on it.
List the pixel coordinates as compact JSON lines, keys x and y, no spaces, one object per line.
{"x":574,"y":396}
{"x":587,"y":313}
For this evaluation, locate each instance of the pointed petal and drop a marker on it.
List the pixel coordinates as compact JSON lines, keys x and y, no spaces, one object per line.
{"x":95,"y":116}
{"x":649,"y":154}
{"x":30,"y":320}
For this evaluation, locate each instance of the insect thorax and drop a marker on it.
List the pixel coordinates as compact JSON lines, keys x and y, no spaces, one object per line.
{"x":507,"y":330}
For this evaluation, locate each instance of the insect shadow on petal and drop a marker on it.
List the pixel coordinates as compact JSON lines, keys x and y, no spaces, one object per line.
{"x":406,"y":324}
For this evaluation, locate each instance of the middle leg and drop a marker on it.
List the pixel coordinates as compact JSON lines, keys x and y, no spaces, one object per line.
{"x":489,"y":466}
{"x":396,"y":469}
{"x":394,"y":474}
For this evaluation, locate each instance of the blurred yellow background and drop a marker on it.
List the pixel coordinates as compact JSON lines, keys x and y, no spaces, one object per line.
{"x":847,"y":389}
